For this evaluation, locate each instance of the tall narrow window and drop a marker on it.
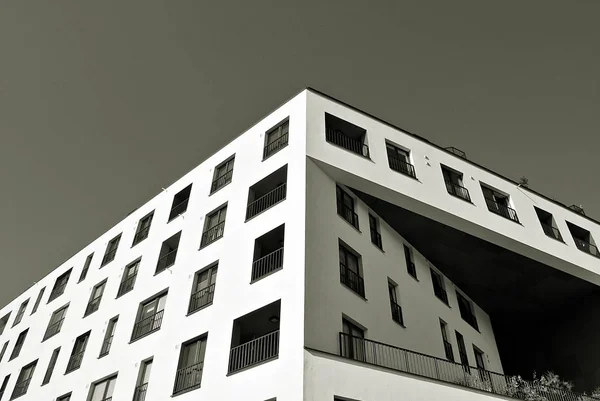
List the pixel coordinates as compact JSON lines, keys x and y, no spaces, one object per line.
{"x":103,"y":391}
{"x":467,"y":311}
{"x":454,"y":184}
{"x":447,"y":345}
{"x":203,"y":289}
{"x":214,"y":227}
{"x":396,"y":309}
{"x":18,"y":345}
{"x":410,"y":264}
{"x":223,"y":175}
{"x":168,"y":253}
{"x":499,"y":203}
{"x":191,"y":364}
{"x":3,"y":351}
{"x":180,"y":202}
{"x":345,"y":206}
{"x":462,"y":351}
{"x":86,"y":267}
{"x":439,"y":289}
{"x":143,"y":229}
{"x":350,"y":274}
{"x":20,"y":313}
{"x":38,"y":300}
{"x":374,"y":230}
{"x":56,"y":322}
{"x":352,"y":342}
{"x":78,"y":352}
{"x":149,"y":318}
{"x":111,"y":250}
{"x":23,"y":380}
{"x":95,"y":298}
{"x":276,"y":139}
{"x":3,"y":386}
{"x":399,"y":160}
{"x":129,"y":277}
{"x":60,"y":285}
{"x":142,"y":383}
{"x":108,"y":336}
{"x":51,"y":365}
{"x":4,"y":322}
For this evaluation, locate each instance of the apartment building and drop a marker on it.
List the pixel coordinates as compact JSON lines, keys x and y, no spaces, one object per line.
{"x":324,"y":254}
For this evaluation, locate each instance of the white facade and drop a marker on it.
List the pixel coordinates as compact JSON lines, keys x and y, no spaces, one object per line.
{"x":313,"y":302}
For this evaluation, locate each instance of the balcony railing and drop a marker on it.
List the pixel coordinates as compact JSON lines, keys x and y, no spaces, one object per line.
{"x":106,"y":344}
{"x":166,"y":261}
{"x":448,"y":351}
{"x":502,"y":210}
{"x":141,"y":235}
{"x":376,"y":238}
{"x":221,"y":181}
{"x":403,"y":360}
{"x":20,"y":389}
{"x":212,"y":234}
{"x":266,"y":201}
{"x":397,"y":313}
{"x":75,"y":361}
{"x":188,"y":378}
{"x":92,"y":306}
{"x":402,"y":166}
{"x":140,"y":392}
{"x":551,"y":231}
{"x":201,"y":298}
{"x":126,"y":285}
{"x":347,"y":214}
{"x":108,"y":257}
{"x":586,"y":247}
{"x":440,"y":293}
{"x":338,"y":138}
{"x":275,"y":146}
{"x":178,"y":209}
{"x":147,"y":325}
{"x":458,"y":191}
{"x":254,"y":352}
{"x":352,"y":280}
{"x":267,"y":264}
{"x":57,"y":292}
{"x":53,"y":329}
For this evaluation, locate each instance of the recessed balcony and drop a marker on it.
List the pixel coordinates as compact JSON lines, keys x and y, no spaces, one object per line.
{"x":268,"y":253}
{"x":346,"y":135}
{"x":267,"y":193}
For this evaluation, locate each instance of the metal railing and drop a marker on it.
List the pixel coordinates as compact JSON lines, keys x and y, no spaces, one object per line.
{"x":75,"y":361}
{"x":201,"y":298}
{"x":53,"y":329}
{"x":456,"y":151}
{"x":338,"y":138}
{"x":92,"y":306}
{"x":20,"y":389}
{"x":266,"y":201}
{"x":397,"y":313}
{"x":106,"y":344}
{"x":212,"y":234}
{"x":188,"y":378}
{"x":352,"y":280}
{"x":440,"y":293}
{"x":403,"y":360}
{"x":502,"y":210}
{"x":141,"y":235}
{"x":57,"y":292}
{"x":376,"y":238}
{"x":586,"y":247}
{"x":448,"y":351}
{"x":458,"y":191}
{"x":108,"y":257}
{"x":140,"y":392}
{"x":147,"y":325}
{"x":275,"y":146}
{"x":127,"y":285}
{"x":267,"y":264}
{"x":347,"y":214}
{"x":551,"y":231}
{"x":221,"y":181}
{"x":254,"y":352}
{"x":402,"y":166}
{"x":178,"y":209}
{"x":166,"y":261}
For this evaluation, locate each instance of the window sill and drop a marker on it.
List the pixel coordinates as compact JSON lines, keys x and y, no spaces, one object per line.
{"x":174,"y":217}
{"x":123,"y":294}
{"x":350,"y":224}
{"x":199,"y":309}
{"x":506,"y":218}
{"x":252,"y":366}
{"x":220,"y":188}
{"x":442,"y":301}
{"x":208,"y":244}
{"x":350,"y":151}
{"x":166,"y":268}
{"x":399,"y":324}
{"x":414,"y":278}
{"x":406,"y":175}
{"x":186,"y":391}
{"x":556,"y":239}
{"x":378,"y":247}
{"x":354,"y":292}
{"x":144,"y":335}
{"x":102,"y":356}
{"x":275,"y":152}
{"x":71,"y":371}
{"x":461,"y":198}
{"x":139,"y":242}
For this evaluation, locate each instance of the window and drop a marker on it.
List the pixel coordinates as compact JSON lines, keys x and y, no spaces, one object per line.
{"x":3,"y":351}
{"x":350,"y":271}
{"x":20,"y":313}
{"x":499,"y":203}
{"x":346,"y":135}
{"x":548,"y":224}
{"x":108,"y":336}
{"x":203,"y":290}
{"x":78,"y":352}
{"x":268,"y":253}
{"x":410,"y":264}
{"x":267,"y":193}
{"x":223,"y":175}
{"x":59,"y":285}
{"x":23,"y":380}
{"x":214,"y":227}
{"x":38,"y":300}
{"x":18,"y":345}
{"x":180,"y":202}
{"x":191,"y":364}
{"x":168,"y":253}
{"x":149,"y":317}
{"x":276,"y":139}
{"x":95,"y":298}
{"x":66,"y":397}
{"x":103,"y":391}
{"x":374,"y":229}
{"x":56,"y":322}
{"x":3,"y":386}
{"x":396,"y":309}
{"x":454,"y":184}
{"x":352,"y":341}
{"x":479,"y":357}
{"x":462,"y":351}
{"x":467,"y":311}
{"x":439,"y":289}
{"x":86,"y":267}
{"x":4,"y":322}
{"x":142,"y":382}
{"x":345,"y":206}
{"x":143,"y":229}
{"x":399,"y":160}
{"x":447,"y":345}
{"x":111,"y":250}
{"x":583,"y":239}
{"x":128,"y":279}
{"x":51,"y":365}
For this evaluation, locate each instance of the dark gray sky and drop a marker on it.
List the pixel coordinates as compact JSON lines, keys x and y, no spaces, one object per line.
{"x":103,"y":103}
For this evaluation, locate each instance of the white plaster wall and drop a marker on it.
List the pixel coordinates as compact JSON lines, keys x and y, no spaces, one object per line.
{"x":234,"y":296}
{"x":327,"y":299}
{"x":428,"y":195}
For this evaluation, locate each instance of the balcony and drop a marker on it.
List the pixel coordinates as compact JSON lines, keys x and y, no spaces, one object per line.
{"x":275,"y":146}
{"x":397,"y":313}
{"x":188,"y":378}
{"x":346,"y":135}
{"x":147,"y":325}
{"x":458,"y":191}
{"x":221,"y":181}
{"x":140,"y":392}
{"x":212,"y":234}
{"x":53,"y":329}
{"x":403,"y":360}
{"x":347,"y":214}
{"x":352,"y":280}
{"x":267,"y":264}
{"x":254,"y":352}
{"x":75,"y":362}
{"x":201,"y":298}
{"x":402,"y":166}
{"x":92,"y":306}
{"x":126,"y":285}
{"x":268,"y":253}
{"x":552,"y":232}
{"x":105,"y":348}
{"x":586,"y":247}
{"x":266,"y":201}
{"x":267,"y":193}
{"x":502,"y":210}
